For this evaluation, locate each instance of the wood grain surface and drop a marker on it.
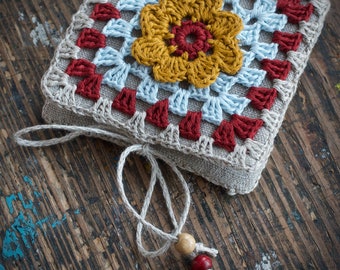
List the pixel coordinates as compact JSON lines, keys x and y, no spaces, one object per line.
{"x":60,"y":208}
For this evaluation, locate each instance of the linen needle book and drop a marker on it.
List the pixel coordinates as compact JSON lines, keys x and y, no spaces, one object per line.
{"x":204,"y":84}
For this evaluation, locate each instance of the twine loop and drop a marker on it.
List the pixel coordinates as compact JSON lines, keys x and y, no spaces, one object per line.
{"x":156,"y":177}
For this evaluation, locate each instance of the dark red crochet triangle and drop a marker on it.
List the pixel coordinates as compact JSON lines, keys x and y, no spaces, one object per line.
{"x":105,"y":12}
{"x":90,"y":38}
{"x":287,"y":41}
{"x":190,"y":126}
{"x":262,"y":98}
{"x":295,"y":11}
{"x":276,"y":69}
{"x":125,"y":101}
{"x":224,"y":136}
{"x":81,"y":68}
{"x":90,"y":87}
{"x":158,"y":114}
{"x":245,"y":127}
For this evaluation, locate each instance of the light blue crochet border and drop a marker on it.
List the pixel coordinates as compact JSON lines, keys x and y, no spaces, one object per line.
{"x":261,"y":17}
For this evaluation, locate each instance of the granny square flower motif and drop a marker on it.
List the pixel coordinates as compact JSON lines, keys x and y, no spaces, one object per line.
{"x":189,"y":40}
{"x":205,"y":83}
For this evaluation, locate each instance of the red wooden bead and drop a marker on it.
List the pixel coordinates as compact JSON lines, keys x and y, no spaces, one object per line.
{"x":201,"y":262}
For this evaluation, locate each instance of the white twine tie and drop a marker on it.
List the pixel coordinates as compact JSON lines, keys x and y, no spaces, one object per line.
{"x":156,"y":175}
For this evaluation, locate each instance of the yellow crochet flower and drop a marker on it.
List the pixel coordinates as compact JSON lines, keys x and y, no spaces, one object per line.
{"x":191,"y":40}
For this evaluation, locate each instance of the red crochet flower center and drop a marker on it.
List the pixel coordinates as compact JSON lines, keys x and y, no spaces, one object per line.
{"x":190,"y":37}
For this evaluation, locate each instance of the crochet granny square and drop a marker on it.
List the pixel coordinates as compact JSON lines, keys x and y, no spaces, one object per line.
{"x":205,"y":83}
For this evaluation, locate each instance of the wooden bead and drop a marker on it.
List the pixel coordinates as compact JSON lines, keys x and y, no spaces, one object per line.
{"x":186,"y":244}
{"x":201,"y":262}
